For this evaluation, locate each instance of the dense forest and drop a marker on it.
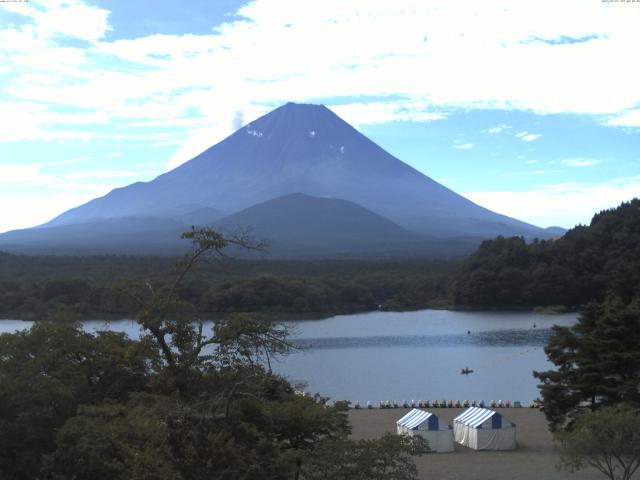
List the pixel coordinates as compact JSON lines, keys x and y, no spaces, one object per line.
{"x":98,"y":287}
{"x":570,"y":271}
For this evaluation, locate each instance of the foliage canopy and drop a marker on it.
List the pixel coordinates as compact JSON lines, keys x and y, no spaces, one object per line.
{"x":572,"y":270}
{"x":184,"y":402}
{"x":607,"y":440}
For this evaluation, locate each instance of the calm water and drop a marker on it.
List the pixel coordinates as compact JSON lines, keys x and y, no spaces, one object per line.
{"x":413,"y":355}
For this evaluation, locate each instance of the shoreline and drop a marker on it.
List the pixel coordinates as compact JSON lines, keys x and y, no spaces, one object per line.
{"x":307,"y":317}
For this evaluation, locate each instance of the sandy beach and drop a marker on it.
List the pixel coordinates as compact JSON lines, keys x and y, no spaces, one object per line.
{"x":534,"y":459}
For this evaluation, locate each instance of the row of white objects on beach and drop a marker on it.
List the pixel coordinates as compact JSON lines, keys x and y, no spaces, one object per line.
{"x":443,"y":404}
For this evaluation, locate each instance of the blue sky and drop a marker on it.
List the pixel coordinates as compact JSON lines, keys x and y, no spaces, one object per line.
{"x":531,"y":109}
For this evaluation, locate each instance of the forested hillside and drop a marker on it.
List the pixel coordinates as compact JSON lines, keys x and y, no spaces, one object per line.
{"x":97,"y":287}
{"x":570,"y":271}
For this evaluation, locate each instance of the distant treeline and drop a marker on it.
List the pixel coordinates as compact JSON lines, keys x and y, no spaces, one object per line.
{"x":572,"y":270}
{"x":97,"y":287}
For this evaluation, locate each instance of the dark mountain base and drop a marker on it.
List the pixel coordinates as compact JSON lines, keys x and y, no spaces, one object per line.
{"x":295,"y":226}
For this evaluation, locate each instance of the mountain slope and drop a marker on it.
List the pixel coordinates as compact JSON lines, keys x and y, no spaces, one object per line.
{"x":132,"y":235}
{"x":305,"y":216}
{"x":308,"y":149}
{"x":299,"y":223}
{"x":295,"y":226}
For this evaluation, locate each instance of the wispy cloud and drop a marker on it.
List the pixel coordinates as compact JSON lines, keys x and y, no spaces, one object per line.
{"x":27,"y":121}
{"x":580,"y":162}
{"x":35,"y":174}
{"x":563,"y":39}
{"x":629,"y":118}
{"x":462,"y":146}
{"x":529,"y":173}
{"x":388,"y":111}
{"x":562,"y":204}
{"x":496,"y":129}
{"x":70,"y":161}
{"x":13,"y":174}
{"x":34,"y":196}
{"x":30,"y":207}
{"x":72,"y":18}
{"x":528,"y":137}
{"x":106,"y":174}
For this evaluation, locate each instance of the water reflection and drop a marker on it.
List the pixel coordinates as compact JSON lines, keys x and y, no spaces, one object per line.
{"x":495,"y":338}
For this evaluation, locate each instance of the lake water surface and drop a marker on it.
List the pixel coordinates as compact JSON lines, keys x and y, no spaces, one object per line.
{"x":409,"y":356}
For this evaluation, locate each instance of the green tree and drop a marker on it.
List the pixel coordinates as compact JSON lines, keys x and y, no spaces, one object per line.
{"x":387,"y":458}
{"x":185,"y":402}
{"x":216,"y":409}
{"x":46,"y":373}
{"x":597,"y":362}
{"x":303,"y":421}
{"x":115,"y":442}
{"x":607,"y":440}
{"x":572,"y":270}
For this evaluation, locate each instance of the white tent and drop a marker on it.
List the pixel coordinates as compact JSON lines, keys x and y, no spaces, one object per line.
{"x":427,"y":425}
{"x":483,"y":429}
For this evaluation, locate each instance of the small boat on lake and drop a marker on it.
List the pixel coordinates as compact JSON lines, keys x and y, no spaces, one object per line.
{"x":466,"y":371}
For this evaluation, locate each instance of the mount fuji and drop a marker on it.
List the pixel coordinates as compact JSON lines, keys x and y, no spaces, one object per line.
{"x":303,"y":153}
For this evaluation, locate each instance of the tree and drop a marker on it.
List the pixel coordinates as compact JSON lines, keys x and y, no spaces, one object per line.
{"x":184,"y":402}
{"x":386,"y":458}
{"x":46,"y":373}
{"x":572,"y":270}
{"x":214,"y":410}
{"x":597,"y":362}
{"x":607,"y":439}
{"x":173,"y":324}
{"x":115,"y":442}
{"x":303,"y":421}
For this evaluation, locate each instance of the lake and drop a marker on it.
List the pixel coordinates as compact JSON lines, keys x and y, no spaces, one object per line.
{"x":409,"y":355}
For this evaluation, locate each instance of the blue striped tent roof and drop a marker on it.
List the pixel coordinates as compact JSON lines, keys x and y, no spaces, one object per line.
{"x":474,"y":416}
{"x":414,"y":418}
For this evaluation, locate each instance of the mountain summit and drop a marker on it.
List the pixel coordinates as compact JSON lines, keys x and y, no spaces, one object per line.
{"x":308,"y":149}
